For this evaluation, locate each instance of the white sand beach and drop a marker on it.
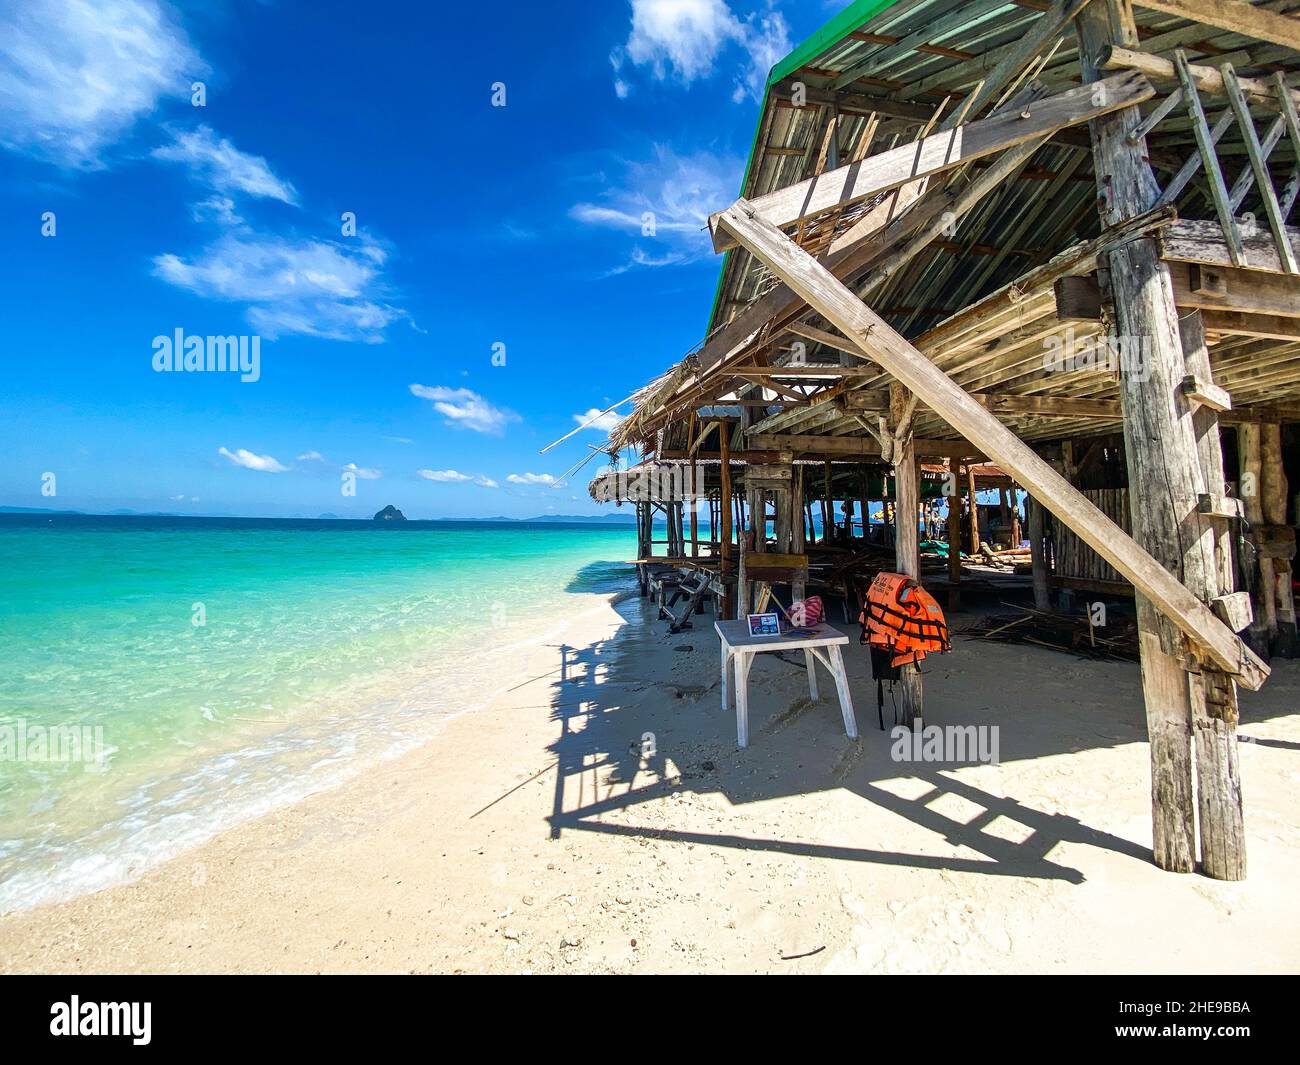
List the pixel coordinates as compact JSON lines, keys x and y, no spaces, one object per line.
{"x":532,"y":837}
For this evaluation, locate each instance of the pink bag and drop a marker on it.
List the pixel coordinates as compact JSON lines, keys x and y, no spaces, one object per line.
{"x":807,"y":611}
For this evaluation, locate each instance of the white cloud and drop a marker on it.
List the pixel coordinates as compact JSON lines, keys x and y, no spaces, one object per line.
{"x":532,"y":478}
{"x":220,"y":209}
{"x":685,"y":36}
{"x":314,"y":287}
{"x":75,"y":75}
{"x":311,"y":456}
{"x":683,"y":40}
{"x":218,"y":163}
{"x":665,"y":202}
{"x":444,"y":476}
{"x":767,"y":40}
{"x":465,"y":409}
{"x":601,"y":422}
{"x":456,"y":477}
{"x":250,"y":461}
{"x":362,"y":472}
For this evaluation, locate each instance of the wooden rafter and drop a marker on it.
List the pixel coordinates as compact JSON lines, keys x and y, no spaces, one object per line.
{"x":941,"y":151}
{"x":1235,"y":16}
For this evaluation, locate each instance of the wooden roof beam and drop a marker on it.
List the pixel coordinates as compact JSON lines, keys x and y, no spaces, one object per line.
{"x":1208,"y":79}
{"x":939,"y":152}
{"x":1234,"y":16}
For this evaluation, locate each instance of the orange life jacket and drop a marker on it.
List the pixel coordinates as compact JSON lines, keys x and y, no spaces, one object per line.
{"x":901,"y":618}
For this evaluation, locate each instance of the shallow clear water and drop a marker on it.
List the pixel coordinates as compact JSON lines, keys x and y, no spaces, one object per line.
{"x":231,"y":665}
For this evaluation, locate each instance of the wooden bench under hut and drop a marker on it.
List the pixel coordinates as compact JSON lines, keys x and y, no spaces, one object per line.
{"x":1051,"y":237}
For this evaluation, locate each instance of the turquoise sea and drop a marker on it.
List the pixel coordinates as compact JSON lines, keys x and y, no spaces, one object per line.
{"x":232,"y":665}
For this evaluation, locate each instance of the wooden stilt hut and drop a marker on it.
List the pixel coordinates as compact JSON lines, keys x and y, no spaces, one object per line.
{"x":1050,"y":235}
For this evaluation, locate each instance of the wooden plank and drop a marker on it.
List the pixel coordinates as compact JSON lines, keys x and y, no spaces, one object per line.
{"x":1262,"y":326}
{"x":821,"y":290}
{"x":1190,"y":168}
{"x":1246,"y":179}
{"x":1210,"y":161}
{"x":1207,"y":79}
{"x":1206,"y":393}
{"x":1248,"y":291}
{"x":1234,"y":610}
{"x":841,"y":446}
{"x":1235,"y":16}
{"x":827,"y":370}
{"x":1053,"y":406}
{"x":821,"y":336}
{"x":939,"y":152}
{"x":1259,"y":166}
{"x":1046,"y":406}
{"x":771,"y":560}
{"x":1292,"y":119}
{"x":1197,"y":241}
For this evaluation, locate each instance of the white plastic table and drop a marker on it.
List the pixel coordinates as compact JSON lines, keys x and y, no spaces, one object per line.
{"x":740,"y":647}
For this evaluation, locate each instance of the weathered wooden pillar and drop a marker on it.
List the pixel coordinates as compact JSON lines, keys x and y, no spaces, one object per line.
{"x":1279,"y":543}
{"x":907,"y":546}
{"x":757,"y":500}
{"x":724,"y":511}
{"x":797,"y":542}
{"x":1165,"y":475}
{"x":1038,"y":554}
{"x":642,"y":545}
{"x":864,"y":491}
{"x":952,"y":492}
{"x":974,"y":511}
{"x":693,"y":501}
{"x":828,"y":505}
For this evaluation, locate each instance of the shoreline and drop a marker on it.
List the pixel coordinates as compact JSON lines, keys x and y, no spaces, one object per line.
{"x":530,"y":836}
{"x":81,"y":873}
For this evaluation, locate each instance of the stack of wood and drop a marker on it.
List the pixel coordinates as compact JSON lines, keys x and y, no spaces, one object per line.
{"x":1115,"y":641}
{"x":1015,"y":559}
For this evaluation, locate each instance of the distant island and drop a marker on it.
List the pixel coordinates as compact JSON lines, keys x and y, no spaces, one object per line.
{"x":390,"y":513}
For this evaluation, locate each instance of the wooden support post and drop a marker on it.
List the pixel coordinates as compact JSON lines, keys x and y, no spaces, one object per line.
{"x":952,"y":493}
{"x":724,"y":511}
{"x":907,"y":547}
{"x":1273,"y":494}
{"x":1038,"y":554}
{"x":1164,"y":468}
{"x":1250,"y":452}
{"x":974,"y":511}
{"x":757,"y":516}
{"x":864,"y":491}
{"x":693,"y":501}
{"x":796,"y":515}
{"x":828,"y":506}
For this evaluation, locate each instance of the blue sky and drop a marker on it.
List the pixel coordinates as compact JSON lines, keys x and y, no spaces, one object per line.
{"x":476,"y":226}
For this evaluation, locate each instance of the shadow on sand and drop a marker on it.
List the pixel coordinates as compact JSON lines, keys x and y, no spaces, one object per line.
{"x":604,"y":699}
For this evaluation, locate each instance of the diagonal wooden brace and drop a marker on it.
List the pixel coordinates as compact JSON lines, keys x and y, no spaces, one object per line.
{"x":943,"y":151}
{"x":821,"y":290}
